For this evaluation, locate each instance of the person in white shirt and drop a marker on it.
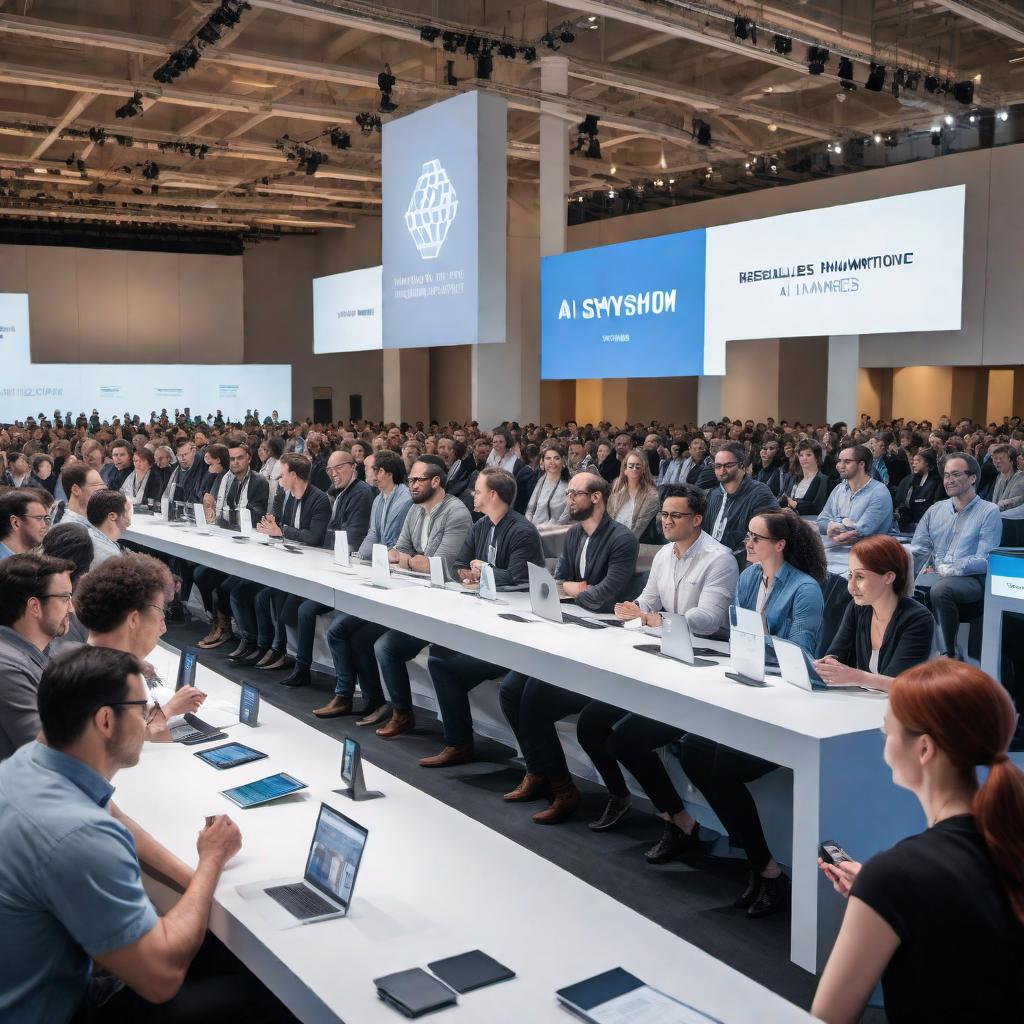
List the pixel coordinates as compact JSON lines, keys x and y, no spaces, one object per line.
{"x":80,"y":483}
{"x":143,"y":483}
{"x":502,"y":452}
{"x":695,"y":576}
{"x":109,"y":514}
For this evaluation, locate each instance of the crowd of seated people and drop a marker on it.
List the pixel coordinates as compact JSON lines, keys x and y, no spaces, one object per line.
{"x":734,"y":514}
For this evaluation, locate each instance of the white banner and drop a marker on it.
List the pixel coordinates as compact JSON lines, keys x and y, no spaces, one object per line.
{"x":347,"y":311}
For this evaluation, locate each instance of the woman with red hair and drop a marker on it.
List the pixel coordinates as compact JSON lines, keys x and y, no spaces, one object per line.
{"x":939,"y":918}
{"x":883,"y":631}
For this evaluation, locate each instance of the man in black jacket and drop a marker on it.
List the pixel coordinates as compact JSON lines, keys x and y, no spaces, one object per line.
{"x":735,"y":500}
{"x":301,"y":513}
{"x":596,"y":569}
{"x":460,"y":466}
{"x":351,"y":500}
{"x":505,"y":540}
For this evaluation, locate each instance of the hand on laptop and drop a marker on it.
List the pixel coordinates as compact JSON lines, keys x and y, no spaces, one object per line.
{"x":219,"y":840}
{"x":835,"y":673}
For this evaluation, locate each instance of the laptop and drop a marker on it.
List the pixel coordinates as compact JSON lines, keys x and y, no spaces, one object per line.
{"x":797,"y":668}
{"x":325,"y":890}
{"x":190,"y":729}
{"x":545,"y":602}
{"x":677,"y":643}
{"x":746,"y":656}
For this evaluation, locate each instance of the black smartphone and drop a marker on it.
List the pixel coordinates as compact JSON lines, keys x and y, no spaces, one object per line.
{"x":832,"y":853}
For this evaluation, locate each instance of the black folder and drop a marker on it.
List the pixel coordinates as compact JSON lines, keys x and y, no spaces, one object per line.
{"x":470,"y":970}
{"x":415,"y":992}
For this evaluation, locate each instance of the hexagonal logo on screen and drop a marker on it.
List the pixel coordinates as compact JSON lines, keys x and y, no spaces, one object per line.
{"x":432,"y":209}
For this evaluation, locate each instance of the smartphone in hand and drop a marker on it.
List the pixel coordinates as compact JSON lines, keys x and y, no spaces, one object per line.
{"x":832,"y":853}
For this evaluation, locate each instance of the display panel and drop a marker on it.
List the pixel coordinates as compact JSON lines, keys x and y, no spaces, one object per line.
{"x":28,"y":389}
{"x":444,"y":230}
{"x":882,"y":266}
{"x":347,"y":311}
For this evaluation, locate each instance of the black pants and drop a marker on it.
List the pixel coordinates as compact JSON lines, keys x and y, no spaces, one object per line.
{"x":532,"y":709}
{"x":454,"y":674}
{"x":218,"y":989}
{"x":721,"y":774}
{"x":611,"y":737}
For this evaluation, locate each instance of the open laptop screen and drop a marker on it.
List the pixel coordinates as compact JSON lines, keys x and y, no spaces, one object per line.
{"x":334,"y":855}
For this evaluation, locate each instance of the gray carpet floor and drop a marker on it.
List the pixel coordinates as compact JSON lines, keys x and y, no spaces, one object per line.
{"x":691,"y":899}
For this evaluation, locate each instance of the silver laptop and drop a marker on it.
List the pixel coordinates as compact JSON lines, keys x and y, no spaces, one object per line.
{"x":544,"y":593}
{"x":677,"y":643}
{"x":746,"y":657}
{"x":325,"y":890}
{"x":797,"y":668}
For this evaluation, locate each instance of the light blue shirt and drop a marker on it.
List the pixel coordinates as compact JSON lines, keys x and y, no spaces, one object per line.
{"x":961,"y":540}
{"x":387,"y":517}
{"x":870,"y":508}
{"x":5,"y":551}
{"x":70,"y":883}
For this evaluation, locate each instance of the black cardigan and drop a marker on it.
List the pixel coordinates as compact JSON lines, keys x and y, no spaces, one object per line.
{"x":611,"y":563}
{"x":907,"y":641}
{"x":814,"y":500}
{"x":913,"y":500}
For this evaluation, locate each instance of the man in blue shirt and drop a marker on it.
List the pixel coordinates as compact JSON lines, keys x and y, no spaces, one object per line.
{"x":858,"y":507}
{"x":70,"y":878}
{"x":951,"y":547}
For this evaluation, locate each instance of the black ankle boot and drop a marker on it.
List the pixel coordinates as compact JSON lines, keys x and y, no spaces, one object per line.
{"x":753,"y":889}
{"x":299,"y":676}
{"x":674,"y":842}
{"x":773,"y":896}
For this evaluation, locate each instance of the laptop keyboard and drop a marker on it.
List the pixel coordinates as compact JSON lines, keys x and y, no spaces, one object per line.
{"x":300,"y":901}
{"x":580,"y":621}
{"x":191,"y":728}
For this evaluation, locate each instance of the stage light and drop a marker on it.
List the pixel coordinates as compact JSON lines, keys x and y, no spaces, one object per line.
{"x":132,"y":108}
{"x":567,"y":36}
{"x":931,"y":83}
{"x":529,"y":54}
{"x":549,"y":40}
{"x":950,"y":120}
{"x":702,"y":132}
{"x":913,"y":78}
{"x":340,"y":139}
{"x":837,"y":149}
{"x":963,"y":92}
{"x":611,"y":194}
{"x":876,"y":77}
{"x":484,"y":65}
{"x":845,"y":71}
{"x":472,"y":46}
{"x":506,"y":50}
{"x":150,"y":170}
{"x":448,"y":42}
{"x":936,"y":135}
{"x":450,"y":74}
{"x":594,"y":148}
{"x":386,"y":82}
{"x":783,"y":44}
{"x":744,"y":28}
{"x":428,"y":33}
{"x":877,"y":139}
{"x":1003,"y":115}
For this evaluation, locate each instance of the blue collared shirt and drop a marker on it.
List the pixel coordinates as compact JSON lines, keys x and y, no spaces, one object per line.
{"x":5,"y":551}
{"x":870,"y":508}
{"x":70,"y":883}
{"x":961,"y":540}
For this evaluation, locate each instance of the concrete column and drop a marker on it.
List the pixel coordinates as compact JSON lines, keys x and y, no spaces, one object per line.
{"x":843,"y":378}
{"x":709,"y":399}
{"x":406,"y":385}
{"x":554,"y":158}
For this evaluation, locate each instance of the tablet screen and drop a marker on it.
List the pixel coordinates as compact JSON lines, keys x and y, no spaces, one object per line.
{"x":229,"y":755}
{"x":263,"y":790}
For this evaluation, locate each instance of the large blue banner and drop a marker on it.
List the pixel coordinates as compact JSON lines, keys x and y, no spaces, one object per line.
{"x":635,"y":309}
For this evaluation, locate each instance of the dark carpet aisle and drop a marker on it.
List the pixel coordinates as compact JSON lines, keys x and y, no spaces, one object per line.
{"x":690,"y":901}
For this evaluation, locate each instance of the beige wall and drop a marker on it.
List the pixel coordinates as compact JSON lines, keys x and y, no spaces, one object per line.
{"x":751,"y":386}
{"x":113,"y":306}
{"x":1000,"y":395}
{"x":922,"y":392}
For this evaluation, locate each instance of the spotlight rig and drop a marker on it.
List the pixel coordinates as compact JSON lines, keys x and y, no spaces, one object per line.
{"x":386,"y":82}
{"x":132,"y":108}
{"x":225,"y":17}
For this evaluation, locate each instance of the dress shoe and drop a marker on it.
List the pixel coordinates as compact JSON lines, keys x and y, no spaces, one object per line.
{"x":533,"y":787}
{"x":674,"y":843}
{"x":450,"y":756}
{"x":299,"y":676}
{"x":374,"y":714}
{"x":747,"y":897}
{"x":255,"y":655}
{"x":244,"y":647}
{"x":269,"y":658}
{"x":567,"y":799}
{"x":282,"y":661}
{"x":401,"y":721}
{"x":336,"y":707}
{"x":773,"y":896}
{"x":614,"y":811}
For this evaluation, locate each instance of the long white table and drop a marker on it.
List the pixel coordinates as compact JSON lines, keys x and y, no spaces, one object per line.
{"x":831,"y":742}
{"x":433,"y":883}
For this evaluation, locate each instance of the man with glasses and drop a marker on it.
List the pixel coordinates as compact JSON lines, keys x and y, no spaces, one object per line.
{"x":858,"y":507}
{"x":22,"y":522}
{"x":35,"y":610}
{"x":80,"y":482}
{"x":951,"y":546}
{"x":70,"y":872}
{"x":731,"y":504}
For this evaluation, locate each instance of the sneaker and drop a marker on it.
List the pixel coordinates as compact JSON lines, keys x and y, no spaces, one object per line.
{"x":614,"y":811}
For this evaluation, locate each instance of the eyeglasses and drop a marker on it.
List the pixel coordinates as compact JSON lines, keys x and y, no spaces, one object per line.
{"x":152,"y":708}
{"x":955,"y":474}
{"x":726,"y":465}
{"x":570,"y":493}
{"x":160,"y":608}
{"x":27,"y":516}
{"x":753,"y":538}
{"x":65,"y":597}
{"x":418,"y":479}
{"x":675,"y":516}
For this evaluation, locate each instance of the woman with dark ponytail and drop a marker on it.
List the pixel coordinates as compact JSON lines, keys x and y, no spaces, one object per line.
{"x":939,"y":918}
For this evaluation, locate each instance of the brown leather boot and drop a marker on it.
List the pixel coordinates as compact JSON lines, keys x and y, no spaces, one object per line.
{"x":220,"y":633}
{"x":337,"y":707}
{"x":401,"y":721}
{"x":567,"y":799}
{"x":533,"y":787}
{"x":450,"y":756}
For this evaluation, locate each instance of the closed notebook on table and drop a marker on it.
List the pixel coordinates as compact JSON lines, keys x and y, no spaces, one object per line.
{"x":470,"y":970}
{"x":414,"y":992}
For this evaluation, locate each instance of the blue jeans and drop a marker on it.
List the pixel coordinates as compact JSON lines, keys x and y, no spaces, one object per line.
{"x":270,"y":631}
{"x":303,"y":614}
{"x":393,"y":650}
{"x":454,"y":675}
{"x":351,"y":641}
{"x":242,"y":597}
